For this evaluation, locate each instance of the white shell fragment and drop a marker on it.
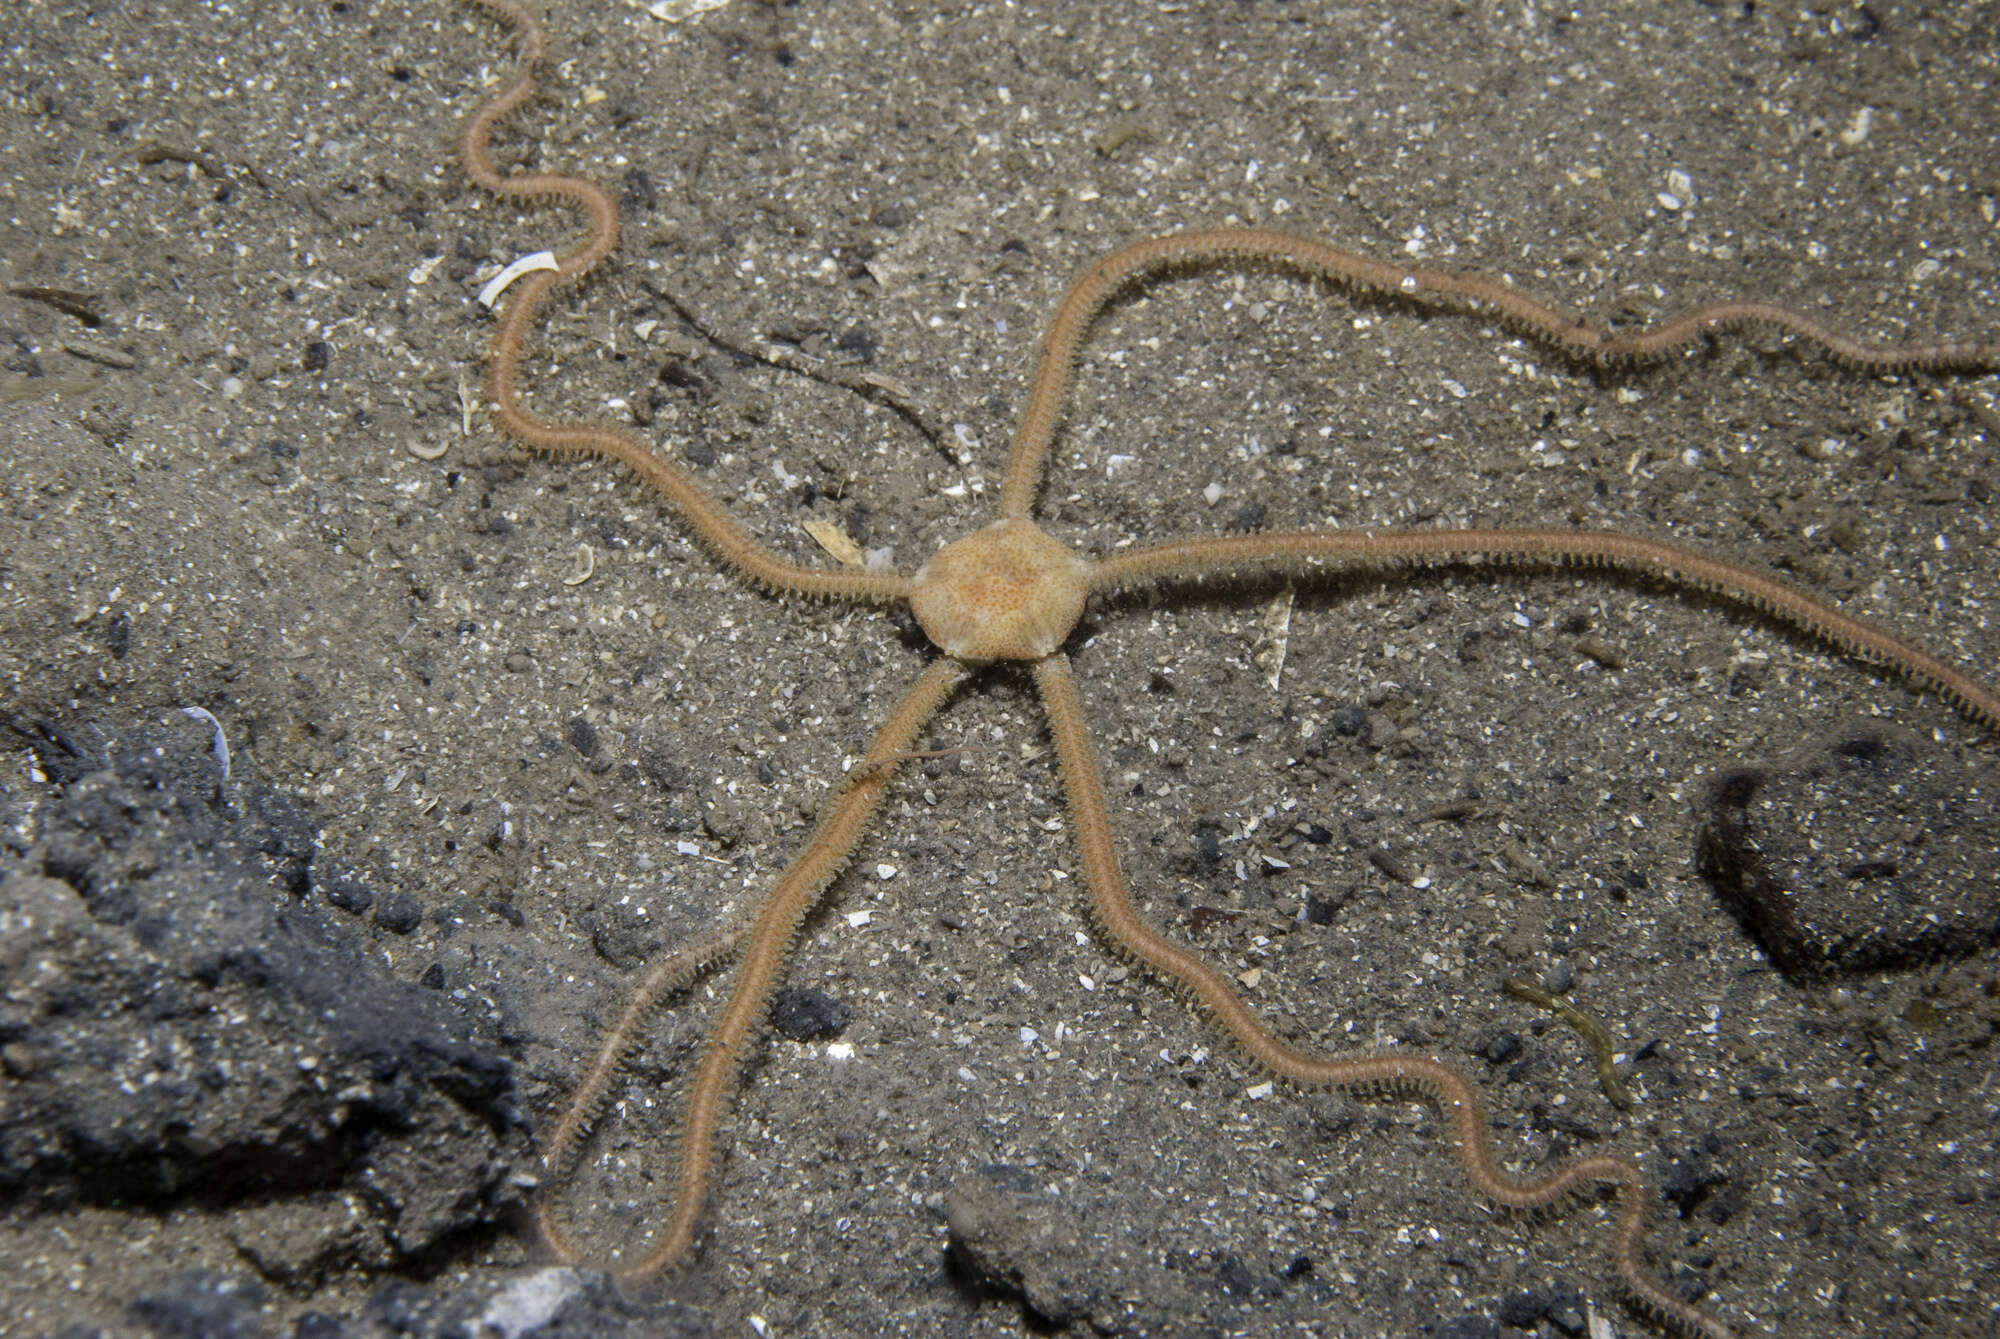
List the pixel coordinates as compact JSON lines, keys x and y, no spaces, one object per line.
{"x":220,"y":744}
{"x":528,"y":264}
{"x":839,"y":545}
{"x":1274,"y":635}
{"x":673,"y":11}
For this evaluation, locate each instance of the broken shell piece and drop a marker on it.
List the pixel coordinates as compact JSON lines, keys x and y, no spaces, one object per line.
{"x":538,"y":260}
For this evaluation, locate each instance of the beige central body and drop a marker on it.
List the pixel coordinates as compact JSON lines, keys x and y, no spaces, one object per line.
{"x":1006,"y":592}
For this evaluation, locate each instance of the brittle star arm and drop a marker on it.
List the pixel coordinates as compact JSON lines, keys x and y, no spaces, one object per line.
{"x":767,"y":944}
{"x":1306,"y":549}
{"x":672,"y":974}
{"x":1365,"y":276}
{"x":712,"y":526}
{"x":1463,"y":1114}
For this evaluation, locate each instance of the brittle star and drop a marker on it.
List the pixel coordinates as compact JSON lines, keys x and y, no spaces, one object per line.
{"x":1010,"y":593}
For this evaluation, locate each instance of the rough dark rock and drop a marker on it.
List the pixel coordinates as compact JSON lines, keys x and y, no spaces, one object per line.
{"x":1011,"y":1238}
{"x":1559,"y":1304}
{"x":808,"y":1015}
{"x":587,"y":1305}
{"x":533,"y":1303}
{"x":350,"y":895}
{"x":399,"y":913}
{"x":1868,"y":850}
{"x":201,"y":1304}
{"x":1008,"y":1239}
{"x":183,"y":1026}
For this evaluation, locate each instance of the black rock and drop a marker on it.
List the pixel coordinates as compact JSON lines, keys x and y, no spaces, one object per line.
{"x":1869,"y":850}
{"x":183,"y":1027}
{"x":807,"y":1015}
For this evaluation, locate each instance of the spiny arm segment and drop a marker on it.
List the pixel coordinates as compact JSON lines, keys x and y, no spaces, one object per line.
{"x":674,"y":973}
{"x":1381,"y":280}
{"x":709,"y":523}
{"x":1455,"y":1099}
{"x":765,"y":947}
{"x":1307,"y":549}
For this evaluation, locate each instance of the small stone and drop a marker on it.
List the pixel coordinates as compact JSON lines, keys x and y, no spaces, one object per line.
{"x":349,"y":895}
{"x":399,"y":913}
{"x":20,"y":1060}
{"x":1349,"y":721}
{"x":808,"y":1015}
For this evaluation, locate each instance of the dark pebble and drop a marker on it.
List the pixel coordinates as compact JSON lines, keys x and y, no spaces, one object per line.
{"x":1347,"y":721}
{"x":349,"y":895}
{"x":1248,"y":517}
{"x":807,"y":1015}
{"x":399,"y":913}
{"x":859,"y":342}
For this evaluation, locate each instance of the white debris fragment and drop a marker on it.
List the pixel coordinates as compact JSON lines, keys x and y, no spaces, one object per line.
{"x":220,"y":744}
{"x":1858,"y":126}
{"x":528,"y":264}
{"x":673,"y":11}
{"x":528,"y":1303}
